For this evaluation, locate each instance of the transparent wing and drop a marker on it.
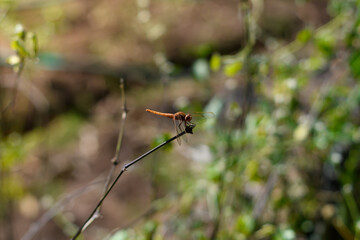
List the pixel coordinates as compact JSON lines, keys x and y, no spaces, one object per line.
{"x":206,"y":115}
{"x":177,"y":129}
{"x":201,"y":117}
{"x":181,"y":128}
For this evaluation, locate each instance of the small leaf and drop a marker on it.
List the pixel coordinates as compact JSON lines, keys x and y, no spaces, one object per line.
{"x":357,"y":226}
{"x":18,"y":46}
{"x":150,"y":229}
{"x":232,"y":69}
{"x":252,"y":170}
{"x":325,"y":42}
{"x":215,"y":172}
{"x":120,"y":235}
{"x":304,"y":35}
{"x":265,"y":231}
{"x":35,"y":47}
{"x":354,"y":63}
{"x":203,"y":50}
{"x":245,"y":224}
{"x":313,"y":63}
{"x":198,"y":235}
{"x":287,"y":234}
{"x":215,"y":62}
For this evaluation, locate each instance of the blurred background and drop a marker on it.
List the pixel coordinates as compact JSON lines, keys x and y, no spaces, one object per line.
{"x":279,"y":159}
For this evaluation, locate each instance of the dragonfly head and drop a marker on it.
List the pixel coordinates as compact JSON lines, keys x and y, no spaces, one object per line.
{"x":188,"y":118}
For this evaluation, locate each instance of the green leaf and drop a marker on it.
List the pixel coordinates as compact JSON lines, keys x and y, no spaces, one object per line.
{"x":354,"y":62}
{"x":203,"y":50}
{"x":120,"y":235}
{"x":252,"y":170}
{"x":215,"y":172}
{"x":325,"y":42}
{"x":313,"y":63}
{"x":198,"y":235}
{"x":160,"y":139}
{"x":215,"y":62}
{"x":265,"y":231}
{"x":149,"y":229}
{"x":19,"y":47}
{"x":286,"y":234}
{"x":35,"y":47}
{"x":357,"y":226}
{"x":304,"y":35}
{"x":232,"y":69}
{"x":245,"y":224}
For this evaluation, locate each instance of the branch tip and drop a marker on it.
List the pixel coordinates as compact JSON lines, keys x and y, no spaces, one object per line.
{"x":189,"y":128}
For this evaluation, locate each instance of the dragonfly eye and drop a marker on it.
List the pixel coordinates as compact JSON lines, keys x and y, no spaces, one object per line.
{"x":188,"y":117}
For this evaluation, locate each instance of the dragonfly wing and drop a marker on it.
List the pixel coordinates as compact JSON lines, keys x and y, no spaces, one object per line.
{"x":202,"y":116}
{"x":178,"y":131}
{"x":181,"y":128}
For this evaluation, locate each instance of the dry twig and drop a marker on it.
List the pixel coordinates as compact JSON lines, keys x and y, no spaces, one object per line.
{"x":89,"y":220}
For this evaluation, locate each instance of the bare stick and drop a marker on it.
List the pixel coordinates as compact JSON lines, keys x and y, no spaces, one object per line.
{"x":17,"y":81}
{"x":48,"y":215}
{"x":263,"y":198}
{"x":28,"y":90}
{"x":116,"y":160}
{"x":126,"y":166}
{"x":34,"y":228}
{"x":122,"y":124}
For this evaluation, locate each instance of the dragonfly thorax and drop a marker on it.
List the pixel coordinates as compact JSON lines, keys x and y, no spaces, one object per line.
{"x":180,"y":116}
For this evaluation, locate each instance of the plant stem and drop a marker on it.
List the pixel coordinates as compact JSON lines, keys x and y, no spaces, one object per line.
{"x":126,"y":166}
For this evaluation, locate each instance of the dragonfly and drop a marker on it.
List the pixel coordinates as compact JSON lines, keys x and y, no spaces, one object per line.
{"x":182,"y":121}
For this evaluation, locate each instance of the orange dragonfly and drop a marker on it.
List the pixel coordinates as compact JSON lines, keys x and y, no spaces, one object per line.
{"x":182,"y":121}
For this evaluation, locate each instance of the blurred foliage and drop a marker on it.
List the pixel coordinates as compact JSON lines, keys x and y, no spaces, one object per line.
{"x":25,"y":45}
{"x":160,"y":139}
{"x":16,"y":147}
{"x":286,"y":155}
{"x":13,"y":148}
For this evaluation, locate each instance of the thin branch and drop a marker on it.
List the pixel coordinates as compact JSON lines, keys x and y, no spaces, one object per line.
{"x":122,"y":124}
{"x":4,"y":14}
{"x":39,"y":4}
{"x":17,"y":81}
{"x":150,"y":211}
{"x":126,"y":166}
{"x":28,"y":90}
{"x":263,"y":198}
{"x":34,"y":228}
{"x":116,"y":160}
{"x":342,"y":229}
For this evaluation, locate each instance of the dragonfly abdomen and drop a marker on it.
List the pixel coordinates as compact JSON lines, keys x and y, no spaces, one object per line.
{"x":169,"y":115}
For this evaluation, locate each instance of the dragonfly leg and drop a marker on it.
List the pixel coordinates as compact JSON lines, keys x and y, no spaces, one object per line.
{"x":180,"y":123}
